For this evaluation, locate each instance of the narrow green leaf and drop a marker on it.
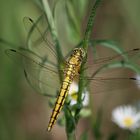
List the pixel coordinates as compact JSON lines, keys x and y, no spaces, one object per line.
{"x":50,"y":18}
{"x":108,"y":44}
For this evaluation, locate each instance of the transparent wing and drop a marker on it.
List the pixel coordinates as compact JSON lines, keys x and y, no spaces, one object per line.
{"x":40,"y":61}
{"x":106,"y":57}
{"x":43,"y":75}
{"x":40,"y":73}
{"x":40,"y":39}
{"x":117,"y":72}
{"x":113,"y":80}
{"x":40,"y":42}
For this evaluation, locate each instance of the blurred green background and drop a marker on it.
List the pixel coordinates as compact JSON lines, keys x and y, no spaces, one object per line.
{"x":24,"y":114}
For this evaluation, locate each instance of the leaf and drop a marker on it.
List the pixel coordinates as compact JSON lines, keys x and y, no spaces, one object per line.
{"x":106,"y":44}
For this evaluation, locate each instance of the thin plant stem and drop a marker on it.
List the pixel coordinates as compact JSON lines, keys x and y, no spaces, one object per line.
{"x":85,"y":47}
{"x":90,"y":25}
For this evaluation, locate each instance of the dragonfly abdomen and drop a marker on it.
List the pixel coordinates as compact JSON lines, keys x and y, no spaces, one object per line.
{"x":60,"y":101}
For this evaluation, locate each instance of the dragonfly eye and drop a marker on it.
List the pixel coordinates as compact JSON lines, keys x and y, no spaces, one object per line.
{"x":75,"y":50}
{"x":80,"y":51}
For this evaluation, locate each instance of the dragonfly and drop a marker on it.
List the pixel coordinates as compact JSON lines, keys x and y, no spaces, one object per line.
{"x":42,"y":71}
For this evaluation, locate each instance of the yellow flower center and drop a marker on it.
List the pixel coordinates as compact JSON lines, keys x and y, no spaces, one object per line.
{"x":128,"y":121}
{"x":74,"y":96}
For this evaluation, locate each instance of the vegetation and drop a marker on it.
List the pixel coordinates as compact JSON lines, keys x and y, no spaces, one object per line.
{"x":66,"y":24}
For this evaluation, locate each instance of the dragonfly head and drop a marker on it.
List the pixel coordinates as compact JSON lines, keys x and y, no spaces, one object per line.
{"x":79,"y":52}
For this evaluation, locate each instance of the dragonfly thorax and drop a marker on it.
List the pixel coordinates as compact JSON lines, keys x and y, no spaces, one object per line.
{"x":77,"y":56}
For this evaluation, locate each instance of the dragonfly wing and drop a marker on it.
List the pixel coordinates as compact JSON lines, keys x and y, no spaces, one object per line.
{"x":101,"y":59}
{"x":40,"y":39}
{"x":40,"y":73}
{"x":113,"y":73}
{"x":111,"y":80}
{"x":128,"y":59}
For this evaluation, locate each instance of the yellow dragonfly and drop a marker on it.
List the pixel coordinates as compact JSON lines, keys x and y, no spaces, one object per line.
{"x":42,"y":71}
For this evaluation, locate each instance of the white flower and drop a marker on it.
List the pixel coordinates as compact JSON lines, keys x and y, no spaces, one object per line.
{"x":138,"y":80}
{"x":126,"y":117}
{"x":73,"y":92}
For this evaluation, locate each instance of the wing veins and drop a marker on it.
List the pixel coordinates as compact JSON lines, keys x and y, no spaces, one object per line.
{"x":33,"y":27}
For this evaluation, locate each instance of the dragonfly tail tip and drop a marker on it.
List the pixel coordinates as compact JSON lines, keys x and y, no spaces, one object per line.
{"x":49,"y":129}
